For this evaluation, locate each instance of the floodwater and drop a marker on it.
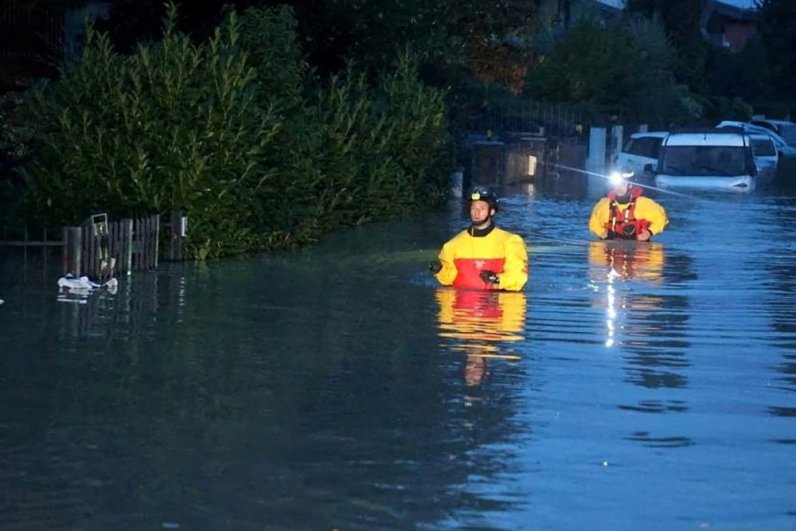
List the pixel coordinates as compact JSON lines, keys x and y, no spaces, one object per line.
{"x":648,"y":386}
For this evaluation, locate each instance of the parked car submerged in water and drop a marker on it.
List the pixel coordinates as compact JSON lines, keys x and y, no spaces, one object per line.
{"x":711,"y":159}
{"x":766,"y":157}
{"x":783,"y":148}
{"x":641,"y":152}
{"x":784,"y":128}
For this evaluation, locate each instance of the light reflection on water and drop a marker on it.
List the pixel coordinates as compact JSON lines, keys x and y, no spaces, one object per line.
{"x":340,"y":387}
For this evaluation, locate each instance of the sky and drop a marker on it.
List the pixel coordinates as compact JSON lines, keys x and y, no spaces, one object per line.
{"x":740,"y":3}
{"x":746,"y":4}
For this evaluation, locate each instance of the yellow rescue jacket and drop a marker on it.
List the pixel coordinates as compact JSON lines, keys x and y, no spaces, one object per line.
{"x":645,"y":209}
{"x":465,"y":256}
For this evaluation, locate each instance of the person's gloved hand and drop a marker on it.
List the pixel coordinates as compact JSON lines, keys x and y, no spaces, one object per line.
{"x":490,"y":277}
{"x":629,"y":231}
{"x":435,"y":266}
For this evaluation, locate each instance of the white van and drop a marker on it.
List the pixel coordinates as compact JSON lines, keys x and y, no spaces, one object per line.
{"x":711,"y":159}
{"x":640,"y":152}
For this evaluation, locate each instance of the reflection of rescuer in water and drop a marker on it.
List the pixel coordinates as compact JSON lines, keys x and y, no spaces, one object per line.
{"x":618,"y":262}
{"x":483,"y":256}
{"x":625,"y":214}
{"x":627,"y":261}
{"x":480,"y":321}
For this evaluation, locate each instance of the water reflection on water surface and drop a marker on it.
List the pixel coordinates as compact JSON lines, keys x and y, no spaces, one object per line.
{"x":339,"y":387}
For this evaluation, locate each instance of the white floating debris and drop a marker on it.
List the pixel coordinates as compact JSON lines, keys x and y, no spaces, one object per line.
{"x":77,"y":284}
{"x":74,"y":289}
{"x":170,"y":525}
{"x":83,"y":284}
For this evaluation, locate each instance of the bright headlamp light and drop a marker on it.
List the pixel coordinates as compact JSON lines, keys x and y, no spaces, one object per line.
{"x":618,"y":177}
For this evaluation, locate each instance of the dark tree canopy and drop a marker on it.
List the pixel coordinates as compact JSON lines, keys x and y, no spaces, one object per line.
{"x":778,"y":34}
{"x":681,"y":20}
{"x":332,"y":32}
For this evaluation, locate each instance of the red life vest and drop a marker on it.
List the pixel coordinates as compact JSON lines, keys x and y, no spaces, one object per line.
{"x":622,"y":224}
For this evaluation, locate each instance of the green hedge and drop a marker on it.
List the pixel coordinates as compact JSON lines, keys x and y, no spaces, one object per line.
{"x":234,"y":132}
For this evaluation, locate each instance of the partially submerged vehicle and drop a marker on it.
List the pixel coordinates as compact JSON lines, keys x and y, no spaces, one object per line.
{"x":784,"y":128}
{"x":766,"y":157}
{"x":784,"y":149}
{"x":707,"y":159}
{"x":640,"y":153}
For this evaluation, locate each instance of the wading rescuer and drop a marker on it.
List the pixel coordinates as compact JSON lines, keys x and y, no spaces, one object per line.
{"x":625,"y":214}
{"x":483,"y":256}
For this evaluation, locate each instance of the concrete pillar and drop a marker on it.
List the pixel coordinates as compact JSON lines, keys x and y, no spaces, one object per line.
{"x":595,"y":162}
{"x":617,"y":141}
{"x":457,"y":183}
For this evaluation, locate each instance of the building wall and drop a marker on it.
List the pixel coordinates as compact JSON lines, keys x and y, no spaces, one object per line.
{"x":737,"y":34}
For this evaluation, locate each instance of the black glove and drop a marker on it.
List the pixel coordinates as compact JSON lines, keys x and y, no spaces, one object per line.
{"x":490,"y":277}
{"x":435,"y":267}
{"x":630,"y":231}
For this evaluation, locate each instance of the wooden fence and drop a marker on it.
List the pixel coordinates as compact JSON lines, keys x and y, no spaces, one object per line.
{"x":100,"y":249}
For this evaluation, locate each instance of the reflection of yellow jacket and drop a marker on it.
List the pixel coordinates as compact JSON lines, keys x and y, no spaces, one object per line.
{"x":500,"y":251}
{"x":646,"y":209}
{"x":481,"y":317}
{"x":629,"y":259}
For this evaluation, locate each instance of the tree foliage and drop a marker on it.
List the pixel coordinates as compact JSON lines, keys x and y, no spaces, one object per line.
{"x":221,"y":130}
{"x":681,"y":21}
{"x":589,"y":64}
{"x":778,"y":34}
{"x":444,"y":35}
{"x":173,"y":126}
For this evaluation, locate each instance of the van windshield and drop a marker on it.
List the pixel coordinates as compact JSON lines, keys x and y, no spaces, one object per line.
{"x":703,"y":160}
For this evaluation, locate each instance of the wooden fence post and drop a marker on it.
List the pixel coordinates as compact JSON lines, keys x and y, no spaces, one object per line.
{"x":155,"y":223}
{"x":73,"y":249}
{"x":178,"y":230}
{"x":126,"y":254}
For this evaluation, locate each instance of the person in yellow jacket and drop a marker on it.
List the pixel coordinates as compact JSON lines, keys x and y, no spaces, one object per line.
{"x":483,"y":256}
{"x":625,"y":214}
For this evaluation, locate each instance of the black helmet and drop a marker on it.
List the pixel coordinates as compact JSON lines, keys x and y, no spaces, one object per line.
{"x":482,"y":194}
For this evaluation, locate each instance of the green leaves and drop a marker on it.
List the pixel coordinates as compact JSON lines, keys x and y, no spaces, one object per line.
{"x":224,"y":131}
{"x":778,"y":33}
{"x":174,"y":125}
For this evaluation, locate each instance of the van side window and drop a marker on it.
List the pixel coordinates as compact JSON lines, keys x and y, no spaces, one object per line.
{"x":651,"y":147}
{"x":644,"y":147}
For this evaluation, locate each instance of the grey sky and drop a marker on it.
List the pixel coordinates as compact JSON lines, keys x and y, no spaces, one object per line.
{"x":740,"y":3}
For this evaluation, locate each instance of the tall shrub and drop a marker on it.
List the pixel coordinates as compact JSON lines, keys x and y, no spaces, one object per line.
{"x":175,"y":125}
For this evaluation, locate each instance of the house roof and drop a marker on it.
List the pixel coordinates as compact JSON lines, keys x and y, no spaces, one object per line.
{"x":733,"y":12}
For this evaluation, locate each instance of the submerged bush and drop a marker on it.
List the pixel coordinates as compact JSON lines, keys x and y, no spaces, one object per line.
{"x":366,"y":154}
{"x":175,"y":125}
{"x":223,"y":131}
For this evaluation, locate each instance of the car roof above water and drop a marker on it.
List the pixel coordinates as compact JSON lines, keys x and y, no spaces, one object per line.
{"x":707,"y":138}
{"x":650,"y":134}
